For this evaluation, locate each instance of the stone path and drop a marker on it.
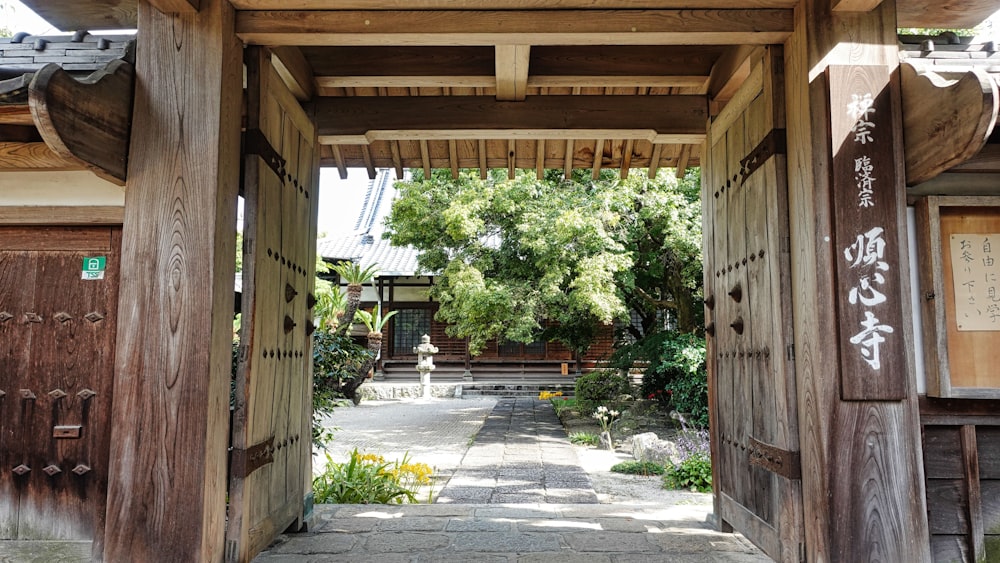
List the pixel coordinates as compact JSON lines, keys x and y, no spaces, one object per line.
{"x":521,"y":455}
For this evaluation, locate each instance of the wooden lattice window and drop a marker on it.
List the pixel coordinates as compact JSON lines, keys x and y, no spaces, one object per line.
{"x":408,"y":326}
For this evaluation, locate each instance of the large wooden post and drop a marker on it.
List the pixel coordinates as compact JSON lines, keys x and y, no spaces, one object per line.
{"x":862,"y":472}
{"x":167,"y":484}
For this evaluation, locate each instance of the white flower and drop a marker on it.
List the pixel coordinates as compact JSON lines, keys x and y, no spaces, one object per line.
{"x":614,"y":413}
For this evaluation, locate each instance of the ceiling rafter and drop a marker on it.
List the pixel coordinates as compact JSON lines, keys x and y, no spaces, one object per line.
{"x":664,"y":119}
{"x":523,"y":27}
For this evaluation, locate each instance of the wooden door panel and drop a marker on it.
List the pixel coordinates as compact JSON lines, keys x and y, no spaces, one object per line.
{"x":62,"y":368}
{"x":274,"y":376}
{"x":752,"y":384}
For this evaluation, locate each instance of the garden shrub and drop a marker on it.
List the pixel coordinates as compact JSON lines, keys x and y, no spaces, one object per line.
{"x":584,"y":438}
{"x":677,"y":378}
{"x":335,"y":358}
{"x":600,"y":386}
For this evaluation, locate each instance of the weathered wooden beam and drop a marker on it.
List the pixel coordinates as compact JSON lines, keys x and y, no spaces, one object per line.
{"x":34,"y":156}
{"x":397,"y":159}
{"x":425,"y":158}
{"x":539,"y":159}
{"x":338,"y":158}
{"x":366,"y":153}
{"x":568,"y":166}
{"x":525,"y":27}
{"x":665,"y":119}
{"x":176,"y":6}
{"x":62,"y":215}
{"x":854,"y":5}
{"x":295,"y":72}
{"x":682,"y":161}
{"x":482,"y":159}
{"x":167,"y":474}
{"x":728,"y":74}
{"x":87,"y":119}
{"x":453,"y":158}
{"x":501,"y":4}
{"x":16,"y":115}
{"x":511,"y":158}
{"x":512,"y":72}
{"x":945,"y":122}
{"x":595,"y":169}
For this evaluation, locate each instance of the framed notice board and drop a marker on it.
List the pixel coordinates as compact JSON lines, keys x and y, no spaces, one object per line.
{"x":959,"y":246}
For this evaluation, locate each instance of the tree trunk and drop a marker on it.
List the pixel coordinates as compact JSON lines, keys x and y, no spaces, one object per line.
{"x":350,"y":389}
{"x":353,"y":300}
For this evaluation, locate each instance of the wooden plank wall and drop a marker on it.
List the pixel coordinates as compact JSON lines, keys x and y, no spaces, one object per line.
{"x":962,"y":465}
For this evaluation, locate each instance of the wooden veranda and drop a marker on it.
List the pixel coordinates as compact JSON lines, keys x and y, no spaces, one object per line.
{"x":806,"y":127}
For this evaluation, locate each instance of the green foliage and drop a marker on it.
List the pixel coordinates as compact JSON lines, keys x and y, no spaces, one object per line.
{"x":374,"y":320}
{"x":561,"y":404}
{"x":353,"y":273}
{"x":634,"y":467}
{"x":600,"y":386}
{"x":369,"y":479}
{"x":336,"y":358}
{"x":584,"y":439}
{"x":676,"y":377}
{"x":520,"y":259}
{"x":693,"y":474}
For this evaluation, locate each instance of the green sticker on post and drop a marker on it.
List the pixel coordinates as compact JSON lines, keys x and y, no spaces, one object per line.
{"x":93,"y":268}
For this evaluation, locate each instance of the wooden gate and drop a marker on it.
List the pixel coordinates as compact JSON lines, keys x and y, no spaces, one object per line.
{"x":58,"y":305}
{"x":271,"y":462}
{"x":749,"y":317}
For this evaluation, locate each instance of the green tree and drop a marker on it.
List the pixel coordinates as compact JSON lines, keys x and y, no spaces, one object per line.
{"x":513,"y":257}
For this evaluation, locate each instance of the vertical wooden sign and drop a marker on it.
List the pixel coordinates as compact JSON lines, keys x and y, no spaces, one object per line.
{"x":864,"y":177}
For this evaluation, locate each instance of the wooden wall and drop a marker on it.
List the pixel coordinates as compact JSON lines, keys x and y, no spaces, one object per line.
{"x":962,"y":463}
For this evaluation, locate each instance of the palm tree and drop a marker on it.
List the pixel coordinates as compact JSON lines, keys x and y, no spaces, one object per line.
{"x":375,"y":322}
{"x":355,"y":276}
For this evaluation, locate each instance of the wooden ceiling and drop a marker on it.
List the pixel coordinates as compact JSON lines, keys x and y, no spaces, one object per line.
{"x":531,"y":84}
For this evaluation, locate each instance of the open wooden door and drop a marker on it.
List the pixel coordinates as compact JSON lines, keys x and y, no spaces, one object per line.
{"x":271,"y":459}
{"x":755,"y":439}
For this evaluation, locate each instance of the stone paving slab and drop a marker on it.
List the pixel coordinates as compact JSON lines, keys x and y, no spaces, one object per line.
{"x":513,"y":479}
{"x":514,"y":533}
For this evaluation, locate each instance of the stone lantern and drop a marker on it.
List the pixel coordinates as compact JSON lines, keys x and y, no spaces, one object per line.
{"x":425,"y":363}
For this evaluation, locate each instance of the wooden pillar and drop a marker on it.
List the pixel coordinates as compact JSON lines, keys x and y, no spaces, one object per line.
{"x":862,"y":470}
{"x":167,"y":489}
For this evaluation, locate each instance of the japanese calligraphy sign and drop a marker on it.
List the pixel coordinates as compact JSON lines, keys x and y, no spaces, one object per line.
{"x":865,"y":199}
{"x":975,"y":267}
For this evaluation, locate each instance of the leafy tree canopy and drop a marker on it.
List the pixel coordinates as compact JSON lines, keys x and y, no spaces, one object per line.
{"x":514,"y":256}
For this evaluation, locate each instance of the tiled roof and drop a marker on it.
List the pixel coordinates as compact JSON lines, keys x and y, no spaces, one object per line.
{"x":366,"y":245}
{"x":949,"y":53}
{"x":78,"y":53}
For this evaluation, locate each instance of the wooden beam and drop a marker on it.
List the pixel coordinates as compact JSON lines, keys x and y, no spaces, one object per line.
{"x":453,"y":158}
{"x":366,"y":154}
{"x":568,"y":166}
{"x":482,"y":159}
{"x":974,"y":498}
{"x":512,"y":72}
{"x":338,"y":158}
{"x":425,"y":157}
{"x":167,"y":475}
{"x":176,"y":6}
{"x":682,"y":161}
{"x":397,"y":159}
{"x":654,"y":161}
{"x":34,"y":156}
{"x":665,"y":119}
{"x":945,"y":122}
{"x":525,"y":27}
{"x":511,"y":157}
{"x":627,"y":158}
{"x":86,"y":14}
{"x":295,"y":72}
{"x":16,"y":115}
{"x":595,"y":169}
{"x":501,"y":4}
{"x":62,"y":215}
{"x":540,"y":159}
{"x":854,"y":5}
{"x":87,"y":119}
{"x":728,"y":73}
